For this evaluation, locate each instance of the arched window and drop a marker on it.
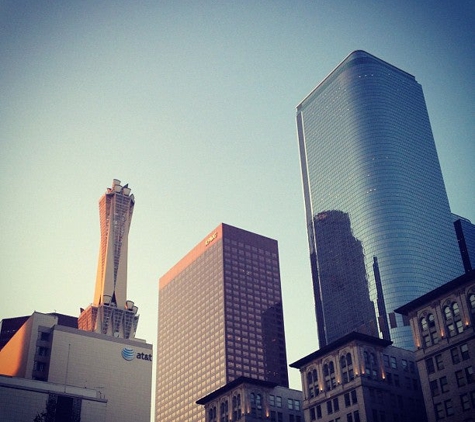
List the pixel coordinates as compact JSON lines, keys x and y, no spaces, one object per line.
{"x":447,"y":313}
{"x":253,"y":405}
{"x":471,"y":306}
{"x":212,"y":414}
{"x":329,"y":374}
{"x":256,"y":405}
{"x":259,"y":402}
{"x":454,"y":324}
{"x":374,"y":367}
{"x":371,"y":368}
{"x":346,"y":367}
{"x":471,"y":301}
{"x":237,"y":407}
{"x":312,"y":383}
{"x":343,"y":362}
{"x":224,"y":411}
{"x":429,"y":329}
{"x":424,"y":325}
{"x":311,"y":392}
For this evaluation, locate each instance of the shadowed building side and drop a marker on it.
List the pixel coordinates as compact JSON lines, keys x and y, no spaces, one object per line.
{"x":465,"y":232}
{"x":346,"y":295}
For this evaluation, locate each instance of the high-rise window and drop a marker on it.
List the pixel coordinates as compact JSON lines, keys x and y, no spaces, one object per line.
{"x":465,"y":402}
{"x":434,"y":388}
{"x":449,"y":410}
{"x":444,"y":385}
{"x":439,"y":362}
{"x":430,"y":366}
{"x":454,"y":352}
{"x":464,"y":351}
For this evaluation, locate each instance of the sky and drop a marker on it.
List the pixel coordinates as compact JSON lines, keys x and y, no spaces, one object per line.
{"x":192,"y":103}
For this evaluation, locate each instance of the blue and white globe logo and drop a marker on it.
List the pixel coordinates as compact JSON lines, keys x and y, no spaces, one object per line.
{"x":128,"y":354}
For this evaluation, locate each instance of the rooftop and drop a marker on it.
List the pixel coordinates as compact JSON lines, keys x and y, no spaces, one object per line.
{"x":230,"y":385}
{"x":338,"y":343}
{"x":439,"y":291}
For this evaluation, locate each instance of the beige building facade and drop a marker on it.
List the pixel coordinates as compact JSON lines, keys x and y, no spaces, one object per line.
{"x":252,"y":400}
{"x":361,"y":378}
{"x":443,"y":323}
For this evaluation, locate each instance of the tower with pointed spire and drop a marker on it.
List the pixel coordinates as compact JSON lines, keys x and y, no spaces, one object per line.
{"x":111,"y":313}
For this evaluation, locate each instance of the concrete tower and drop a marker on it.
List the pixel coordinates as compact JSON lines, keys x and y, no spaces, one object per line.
{"x":111,"y":313}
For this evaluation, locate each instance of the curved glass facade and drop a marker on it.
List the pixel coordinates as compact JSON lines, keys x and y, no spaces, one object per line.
{"x":367,"y":152}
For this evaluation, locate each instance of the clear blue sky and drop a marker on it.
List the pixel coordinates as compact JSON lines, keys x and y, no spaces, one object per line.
{"x":193,"y":104}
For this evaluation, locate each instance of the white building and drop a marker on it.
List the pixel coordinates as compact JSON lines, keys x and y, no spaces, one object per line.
{"x":118,"y":370}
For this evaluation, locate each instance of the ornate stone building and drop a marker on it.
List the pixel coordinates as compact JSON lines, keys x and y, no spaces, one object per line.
{"x":442,"y":323}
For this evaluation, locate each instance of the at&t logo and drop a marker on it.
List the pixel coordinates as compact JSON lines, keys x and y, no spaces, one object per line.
{"x":129,"y":354}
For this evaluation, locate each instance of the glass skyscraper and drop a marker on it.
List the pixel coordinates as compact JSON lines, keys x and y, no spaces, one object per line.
{"x":378,"y":218}
{"x":219,"y":317}
{"x":465,"y":231}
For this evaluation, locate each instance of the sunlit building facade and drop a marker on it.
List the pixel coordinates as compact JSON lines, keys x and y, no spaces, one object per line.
{"x":114,"y":372}
{"x":369,"y":164}
{"x":111,"y":313}
{"x":219,"y":317}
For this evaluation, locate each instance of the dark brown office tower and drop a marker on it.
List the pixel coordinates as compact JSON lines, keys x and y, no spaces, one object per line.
{"x":219,"y":317}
